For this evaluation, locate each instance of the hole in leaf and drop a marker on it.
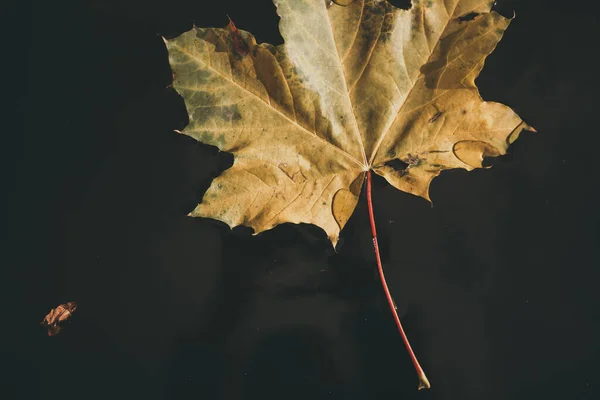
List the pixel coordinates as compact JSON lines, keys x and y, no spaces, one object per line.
{"x":403,"y":4}
{"x":468,"y":17}
{"x":397,"y":165}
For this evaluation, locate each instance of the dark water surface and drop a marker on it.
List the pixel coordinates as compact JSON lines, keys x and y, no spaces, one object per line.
{"x":496,"y":284}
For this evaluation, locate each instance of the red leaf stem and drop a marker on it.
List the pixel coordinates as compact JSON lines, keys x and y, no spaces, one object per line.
{"x":423,"y":381}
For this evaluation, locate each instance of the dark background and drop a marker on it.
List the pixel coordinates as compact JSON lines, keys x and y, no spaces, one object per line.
{"x":496,"y":284}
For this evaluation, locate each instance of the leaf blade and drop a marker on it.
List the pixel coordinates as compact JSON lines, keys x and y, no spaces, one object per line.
{"x":365,"y":79}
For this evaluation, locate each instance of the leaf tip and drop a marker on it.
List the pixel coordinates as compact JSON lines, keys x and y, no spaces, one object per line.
{"x":429,"y":200}
{"x":334,"y":242}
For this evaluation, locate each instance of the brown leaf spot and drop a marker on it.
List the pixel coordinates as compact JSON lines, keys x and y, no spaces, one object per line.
{"x":435,"y":117}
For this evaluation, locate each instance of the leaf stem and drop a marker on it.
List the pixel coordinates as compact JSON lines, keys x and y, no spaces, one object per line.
{"x":423,"y":381}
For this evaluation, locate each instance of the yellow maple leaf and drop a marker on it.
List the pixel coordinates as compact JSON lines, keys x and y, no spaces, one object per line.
{"x":351,"y":89}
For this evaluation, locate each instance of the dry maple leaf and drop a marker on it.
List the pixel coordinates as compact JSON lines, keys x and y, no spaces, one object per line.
{"x":352,"y":88}
{"x":57,"y":316}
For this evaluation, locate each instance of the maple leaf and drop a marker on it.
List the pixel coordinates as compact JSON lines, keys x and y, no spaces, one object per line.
{"x":351,"y":89}
{"x":57,"y":316}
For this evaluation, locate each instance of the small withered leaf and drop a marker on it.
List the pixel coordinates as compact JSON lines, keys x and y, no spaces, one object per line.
{"x":53,"y":320}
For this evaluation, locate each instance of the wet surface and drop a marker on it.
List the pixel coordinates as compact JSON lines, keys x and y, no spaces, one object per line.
{"x":496,"y":284}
